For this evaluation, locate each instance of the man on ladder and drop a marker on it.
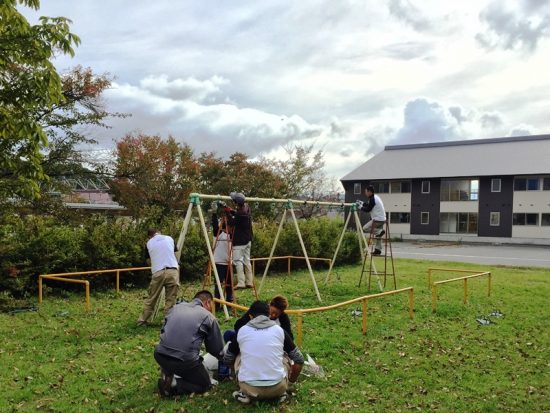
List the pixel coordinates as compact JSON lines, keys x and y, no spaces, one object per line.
{"x":241,"y":220}
{"x":375,"y":207}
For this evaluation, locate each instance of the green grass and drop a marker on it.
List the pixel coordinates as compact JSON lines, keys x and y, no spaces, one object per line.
{"x":63,"y":359}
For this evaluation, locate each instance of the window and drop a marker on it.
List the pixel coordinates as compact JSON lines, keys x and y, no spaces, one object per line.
{"x":458,"y":222}
{"x":545,"y":220}
{"x":400,"y":217}
{"x":357,"y":189}
{"x":381,"y":187}
{"x":526,"y":184}
{"x":525,"y":219}
{"x":424,"y":218}
{"x":425,"y":187}
{"x":546,"y":184}
{"x":495,"y":185}
{"x":494,"y":219}
{"x":459,"y":190}
{"x":400,"y":187}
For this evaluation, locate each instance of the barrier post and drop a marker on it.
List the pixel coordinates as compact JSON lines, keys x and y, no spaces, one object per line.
{"x":411,"y":303}
{"x":87,"y":284}
{"x":117,"y":281}
{"x":488,"y":284}
{"x":434,"y":297}
{"x":365,"y":308}
{"x":299,"y":329}
{"x":39,"y":289}
{"x":465,"y":290}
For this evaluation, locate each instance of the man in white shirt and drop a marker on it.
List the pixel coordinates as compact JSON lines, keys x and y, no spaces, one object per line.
{"x":375,"y":207}
{"x":263,"y":367}
{"x":165,"y":269}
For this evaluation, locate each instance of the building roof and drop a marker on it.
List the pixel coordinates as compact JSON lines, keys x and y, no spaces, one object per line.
{"x":525,"y":155}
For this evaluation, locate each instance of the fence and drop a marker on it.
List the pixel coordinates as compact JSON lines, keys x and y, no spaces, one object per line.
{"x":465,"y":279}
{"x":61,"y":277}
{"x":364,"y":301}
{"x":289,"y":259}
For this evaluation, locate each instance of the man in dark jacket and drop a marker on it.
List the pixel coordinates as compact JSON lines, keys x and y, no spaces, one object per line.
{"x":187,"y":326}
{"x":240,"y":219}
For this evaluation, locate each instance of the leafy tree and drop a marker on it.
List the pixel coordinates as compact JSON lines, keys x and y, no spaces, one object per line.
{"x":29,"y":83}
{"x":150,"y":171}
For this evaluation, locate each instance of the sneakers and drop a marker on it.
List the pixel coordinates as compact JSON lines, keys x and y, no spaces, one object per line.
{"x":241,"y":397}
{"x":377,"y":252}
{"x":381,"y":234}
{"x":239,"y":287}
{"x":249,"y":286}
{"x":283,"y":398}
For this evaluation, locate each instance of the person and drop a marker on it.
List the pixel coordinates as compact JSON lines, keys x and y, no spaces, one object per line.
{"x":165,"y":269}
{"x":222,"y":242}
{"x":241,"y":219}
{"x":262,"y":368}
{"x":375,"y":207}
{"x":186,"y":327}
{"x":277,"y":307}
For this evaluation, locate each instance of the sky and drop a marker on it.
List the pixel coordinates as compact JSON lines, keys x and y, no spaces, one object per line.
{"x":348,"y":77}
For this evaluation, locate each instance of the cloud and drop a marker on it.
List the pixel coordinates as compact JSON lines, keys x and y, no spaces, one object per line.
{"x":491,"y":120}
{"x":408,"y":13}
{"x":408,"y":50}
{"x":522,"y":130}
{"x":520,"y":29}
{"x":185,"y":89}
{"x":426,"y":121}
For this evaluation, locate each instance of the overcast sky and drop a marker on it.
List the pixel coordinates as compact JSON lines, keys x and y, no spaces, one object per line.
{"x":347,"y":76}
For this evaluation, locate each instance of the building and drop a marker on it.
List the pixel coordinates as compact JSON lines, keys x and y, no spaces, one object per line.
{"x":487,"y":190}
{"x":90,"y":194}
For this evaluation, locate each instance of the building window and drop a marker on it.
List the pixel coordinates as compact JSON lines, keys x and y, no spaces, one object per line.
{"x":545,"y":220}
{"x":425,"y":187}
{"x":400,"y":217}
{"x":357,"y":189}
{"x":494,"y":219}
{"x":459,"y":190}
{"x":495,"y":185}
{"x":458,"y":222}
{"x":381,"y":187}
{"x":546,"y":184}
{"x":424,"y":218}
{"x":400,"y":187}
{"x":525,"y":219}
{"x":526,"y":184}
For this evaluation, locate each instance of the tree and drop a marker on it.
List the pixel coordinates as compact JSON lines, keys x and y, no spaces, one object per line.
{"x":29,"y":83}
{"x":150,"y":171}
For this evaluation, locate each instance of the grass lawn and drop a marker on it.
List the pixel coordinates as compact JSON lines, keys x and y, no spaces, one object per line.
{"x":63,"y":359}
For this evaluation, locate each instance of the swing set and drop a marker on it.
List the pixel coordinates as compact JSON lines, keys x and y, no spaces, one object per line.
{"x":195,"y":200}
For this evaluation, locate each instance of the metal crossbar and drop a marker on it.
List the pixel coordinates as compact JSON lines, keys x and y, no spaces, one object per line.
{"x":364,"y":301}
{"x":67,"y":277}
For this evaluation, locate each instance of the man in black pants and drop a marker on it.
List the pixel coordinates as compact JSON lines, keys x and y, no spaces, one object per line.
{"x":186,"y":327}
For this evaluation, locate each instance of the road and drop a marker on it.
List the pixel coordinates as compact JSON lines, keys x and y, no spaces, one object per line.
{"x":510,"y":255}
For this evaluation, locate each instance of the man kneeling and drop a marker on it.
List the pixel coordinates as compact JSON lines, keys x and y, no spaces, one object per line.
{"x":187,"y":326}
{"x":263,"y":369}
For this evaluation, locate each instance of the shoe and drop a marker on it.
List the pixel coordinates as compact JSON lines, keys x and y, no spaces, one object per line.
{"x":377,"y":252}
{"x":241,"y":397}
{"x":165,"y":385}
{"x":283,"y":398}
{"x":249,"y":286}
{"x":239,"y":287}
{"x":142,"y":323}
{"x":381,"y":234}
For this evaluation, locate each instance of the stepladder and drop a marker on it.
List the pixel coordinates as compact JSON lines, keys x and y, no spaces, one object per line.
{"x":378,"y":247}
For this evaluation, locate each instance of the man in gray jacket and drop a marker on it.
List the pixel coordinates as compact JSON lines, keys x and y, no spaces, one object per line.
{"x":186,"y":327}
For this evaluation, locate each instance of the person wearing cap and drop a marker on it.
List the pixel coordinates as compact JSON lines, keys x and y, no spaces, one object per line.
{"x":375,"y":207}
{"x":165,"y":269}
{"x":240,"y":219}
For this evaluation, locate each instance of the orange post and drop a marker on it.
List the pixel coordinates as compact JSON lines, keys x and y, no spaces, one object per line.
{"x":465,"y":290}
{"x":288,"y":264}
{"x":39,"y":289}
{"x":117,"y":281}
{"x":411,"y":303}
{"x":299,"y":329}
{"x":489,"y":284}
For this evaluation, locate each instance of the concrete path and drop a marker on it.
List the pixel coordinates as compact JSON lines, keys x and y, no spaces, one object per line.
{"x":510,"y":255}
